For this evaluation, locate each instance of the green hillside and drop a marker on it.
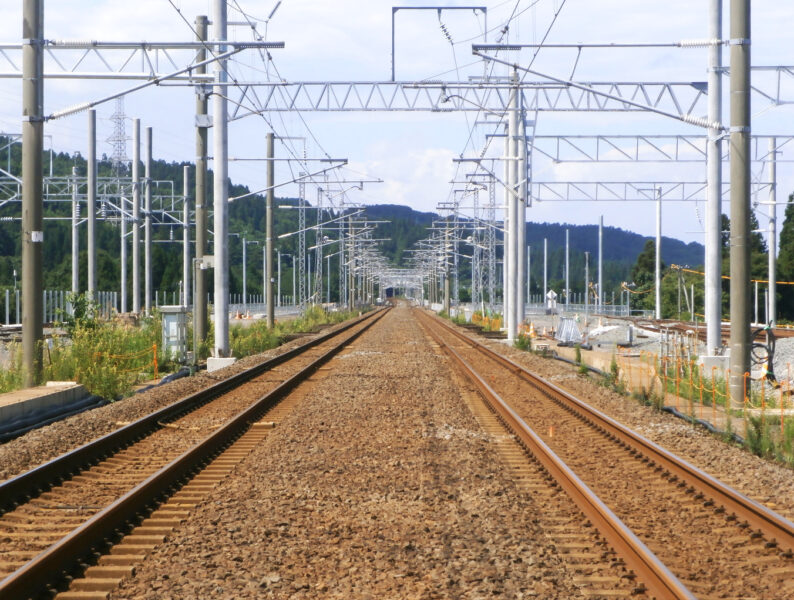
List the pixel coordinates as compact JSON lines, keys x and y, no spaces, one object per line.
{"x":247,"y":217}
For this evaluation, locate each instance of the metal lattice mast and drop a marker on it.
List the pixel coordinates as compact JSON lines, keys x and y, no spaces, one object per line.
{"x":118,"y":140}
{"x":302,"y":242}
{"x":119,"y":162}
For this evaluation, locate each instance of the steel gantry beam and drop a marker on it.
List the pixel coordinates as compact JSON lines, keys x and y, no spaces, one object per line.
{"x":380,"y":96}
{"x":640,"y":148}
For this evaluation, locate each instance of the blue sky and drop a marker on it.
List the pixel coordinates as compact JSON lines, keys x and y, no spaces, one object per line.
{"x":349,"y":40}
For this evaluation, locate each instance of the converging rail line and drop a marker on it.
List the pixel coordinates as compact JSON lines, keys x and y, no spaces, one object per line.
{"x":684,"y":533}
{"x":61,"y":515}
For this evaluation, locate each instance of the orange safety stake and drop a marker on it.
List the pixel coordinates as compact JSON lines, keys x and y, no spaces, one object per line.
{"x":154,"y":354}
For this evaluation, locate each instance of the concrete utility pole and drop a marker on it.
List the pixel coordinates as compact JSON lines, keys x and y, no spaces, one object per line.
{"x":221,"y":187}
{"x":772,"y":240}
{"x":545,"y":268}
{"x":600,"y":298}
{"x":567,"y":268}
{"x":446,"y":270}
{"x":123,"y":245}
{"x":511,"y":255}
{"x":186,"y":237}
{"x":136,"y":216}
{"x":529,"y":274}
{"x":586,"y":286}
{"x":271,"y":315}
{"x":713,"y":262}
{"x":658,"y":275}
{"x":521,"y":224}
{"x":740,"y":197}
{"x":202,"y":128}
{"x":32,"y":203}
{"x":91,"y":204}
{"x":147,"y":224}
{"x":75,"y":234}
{"x":278,"y":268}
{"x":245,"y":276}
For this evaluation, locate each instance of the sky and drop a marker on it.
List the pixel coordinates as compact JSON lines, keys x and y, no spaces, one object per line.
{"x":349,"y":40}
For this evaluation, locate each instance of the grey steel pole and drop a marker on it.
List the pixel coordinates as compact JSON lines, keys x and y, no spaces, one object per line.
{"x":521,"y":223}
{"x":123,"y":244}
{"x":328,"y":279}
{"x":269,"y":229}
{"x":293,"y":279}
{"x":600,"y":298}
{"x":202,"y":122}
{"x":245,"y":280}
{"x":586,"y":286}
{"x":658,"y":270}
{"x":221,"y":187}
{"x":772,"y":240}
{"x":147,"y":224}
{"x":186,"y":237}
{"x":446,"y":271}
{"x":506,"y":235}
{"x":545,"y":268}
{"x":32,"y":202}
{"x":529,"y":274}
{"x":740,"y":197}
{"x":755,"y":313}
{"x":278,"y":258}
{"x":567,"y":268}
{"x":75,"y":235}
{"x":513,"y":257}
{"x":713,"y":262}
{"x":136,"y":216}
{"x":91,"y":204}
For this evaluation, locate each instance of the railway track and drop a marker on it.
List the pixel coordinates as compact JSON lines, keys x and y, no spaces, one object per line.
{"x":683,"y":533}
{"x":87,"y":515}
{"x":661,"y":325}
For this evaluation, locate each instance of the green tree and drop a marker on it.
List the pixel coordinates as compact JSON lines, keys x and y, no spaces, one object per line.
{"x":643,"y":274}
{"x":785,"y":263}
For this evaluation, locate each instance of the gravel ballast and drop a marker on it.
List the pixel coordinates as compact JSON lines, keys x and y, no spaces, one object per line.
{"x":379,"y":484}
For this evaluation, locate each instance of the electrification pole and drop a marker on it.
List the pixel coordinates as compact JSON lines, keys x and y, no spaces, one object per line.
{"x":600,"y":298}
{"x":713,"y":263}
{"x":221,"y":187}
{"x":32,"y":203}
{"x":91,"y":204}
{"x":658,"y":270}
{"x":186,"y":237}
{"x":75,"y":235}
{"x":136,"y":216}
{"x":202,"y":128}
{"x":740,"y":197}
{"x":772,"y":241}
{"x":147,"y":224}
{"x":567,"y":269}
{"x":512,"y":247}
{"x":521,"y":210}
{"x":269,"y":229}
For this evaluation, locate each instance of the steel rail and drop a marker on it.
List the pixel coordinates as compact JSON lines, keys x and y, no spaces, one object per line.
{"x":660,"y":581}
{"x":60,"y":558}
{"x":773,"y":525}
{"x":43,"y":477}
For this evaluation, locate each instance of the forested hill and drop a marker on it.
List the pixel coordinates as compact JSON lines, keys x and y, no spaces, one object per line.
{"x":403,"y":229}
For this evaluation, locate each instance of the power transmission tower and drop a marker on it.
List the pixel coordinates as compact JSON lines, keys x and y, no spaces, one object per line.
{"x":118,"y":140}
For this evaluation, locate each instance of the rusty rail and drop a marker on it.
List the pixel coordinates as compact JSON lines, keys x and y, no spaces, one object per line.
{"x":758,"y":516}
{"x":37,"y":575}
{"x":638,"y":557}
